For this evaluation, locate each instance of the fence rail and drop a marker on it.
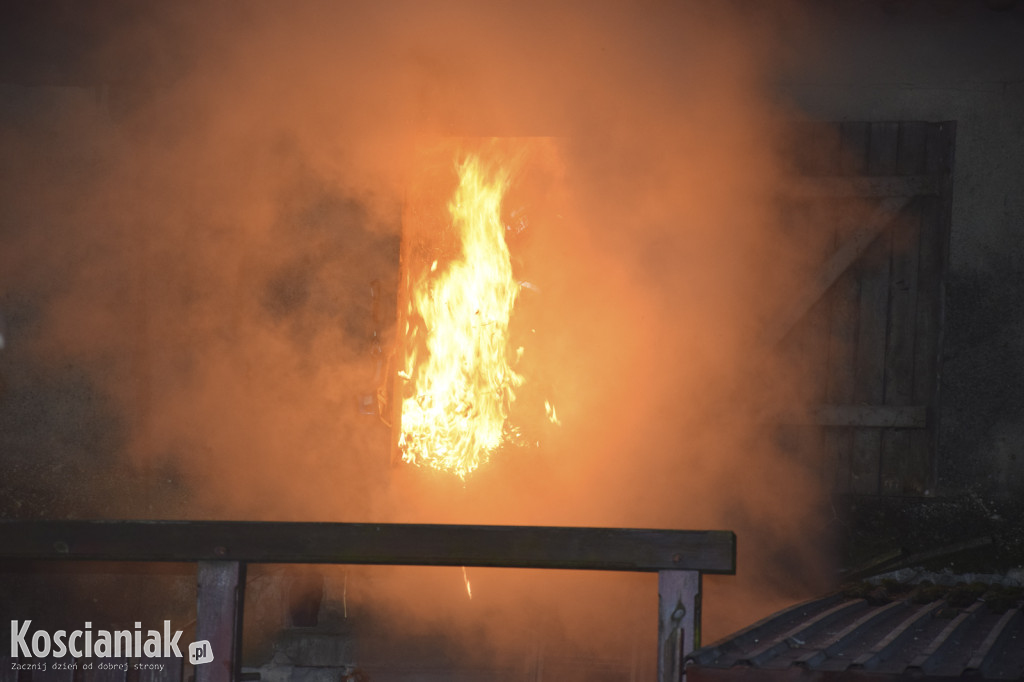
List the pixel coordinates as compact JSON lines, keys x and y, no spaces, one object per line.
{"x":222,"y":550}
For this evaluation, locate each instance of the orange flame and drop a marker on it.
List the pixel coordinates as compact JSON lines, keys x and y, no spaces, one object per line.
{"x":464,"y":385}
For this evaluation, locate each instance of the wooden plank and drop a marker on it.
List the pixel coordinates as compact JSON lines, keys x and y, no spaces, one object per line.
{"x":835,"y":443}
{"x":609,"y":549}
{"x":807,"y":350}
{"x":911,"y":161}
{"x":818,"y":455}
{"x":883,"y":148}
{"x":870,"y":363}
{"x":812,"y":213}
{"x":870,"y":416}
{"x":922,"y":450}
{"x":930,"y":306}
{"x":216,"y":653}
{"x":869,"y":385}
{"x":679,"y":603}
{"x":816,"y":446}
{"x":853,"y":248}
{"x":842,"y":329}
{"x":854,"y":151}
{"x":899,"y":352}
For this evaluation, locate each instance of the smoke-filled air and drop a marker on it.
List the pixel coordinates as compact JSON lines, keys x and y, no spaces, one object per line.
{"x":217,"y":247}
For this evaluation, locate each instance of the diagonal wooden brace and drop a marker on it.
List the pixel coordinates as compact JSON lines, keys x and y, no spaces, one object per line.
{"x":845,"y":256}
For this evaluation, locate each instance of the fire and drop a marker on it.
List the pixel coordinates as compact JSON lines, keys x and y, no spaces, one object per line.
{"x":459,"y":360}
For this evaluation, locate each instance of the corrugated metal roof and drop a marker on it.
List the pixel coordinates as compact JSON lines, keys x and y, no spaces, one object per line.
{"x":923,"y":634}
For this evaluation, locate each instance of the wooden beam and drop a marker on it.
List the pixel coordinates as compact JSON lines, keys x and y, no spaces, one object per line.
{"x":679,"y":597}
{"x":933,"y":267}
{"x":609,"y":549}
{"x":843,"y":258}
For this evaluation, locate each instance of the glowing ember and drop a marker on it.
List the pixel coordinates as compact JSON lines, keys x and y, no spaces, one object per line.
{"x":552,"y":415}
{"x":465,"y":578}
{"x":459,"y":362}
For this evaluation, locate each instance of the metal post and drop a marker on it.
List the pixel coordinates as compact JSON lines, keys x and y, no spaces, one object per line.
{"x":678,"y":621}
{"x":221,"y":596}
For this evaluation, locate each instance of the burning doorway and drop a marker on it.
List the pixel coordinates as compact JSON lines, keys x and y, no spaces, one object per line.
{"x":468,"y":362}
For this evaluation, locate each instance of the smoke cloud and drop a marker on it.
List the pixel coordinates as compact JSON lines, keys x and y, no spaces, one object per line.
{"x":201,"y":237}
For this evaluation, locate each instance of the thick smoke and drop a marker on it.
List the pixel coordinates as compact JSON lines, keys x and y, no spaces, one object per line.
{"x":202,"y":240}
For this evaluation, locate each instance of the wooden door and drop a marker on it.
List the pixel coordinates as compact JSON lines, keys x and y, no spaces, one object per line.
{"x":870,"y":318}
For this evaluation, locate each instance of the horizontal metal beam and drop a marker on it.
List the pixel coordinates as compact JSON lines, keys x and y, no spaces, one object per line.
{"x":608,"y":549}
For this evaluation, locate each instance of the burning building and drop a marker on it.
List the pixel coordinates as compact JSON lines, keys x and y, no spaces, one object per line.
{"x":748,"y":269}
